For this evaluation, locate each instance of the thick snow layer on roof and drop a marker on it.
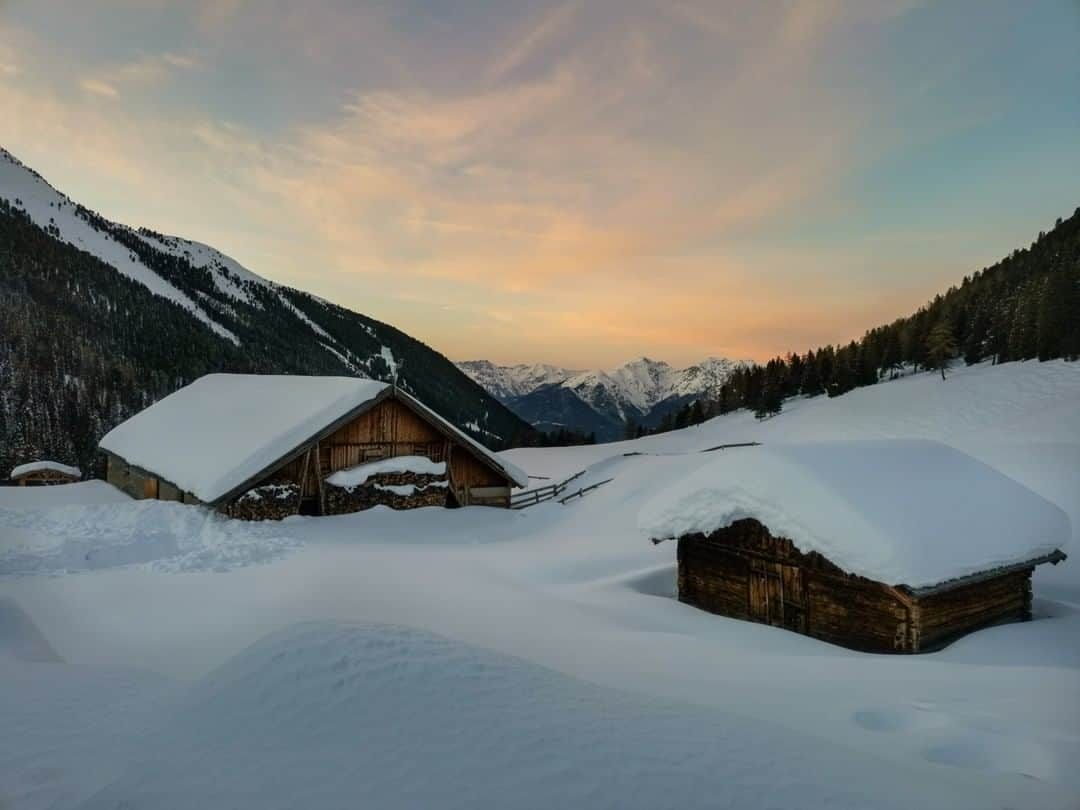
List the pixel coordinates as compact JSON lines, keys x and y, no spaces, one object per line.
{"x":910,"y":512}
{"x":214,"y":434}
{"x":355,"y":476}
{"x":38,"y":466}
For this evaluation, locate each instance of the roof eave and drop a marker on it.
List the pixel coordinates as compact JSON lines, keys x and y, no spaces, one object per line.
{"x":1054,"y":557}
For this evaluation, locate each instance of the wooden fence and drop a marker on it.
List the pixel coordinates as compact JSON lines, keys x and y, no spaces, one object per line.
{"x":531,"y":497}
{"x":585,"y":490}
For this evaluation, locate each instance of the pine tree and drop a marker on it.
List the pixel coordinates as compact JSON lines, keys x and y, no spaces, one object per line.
{"x":771,"y":400}
{"x":941,"y":346}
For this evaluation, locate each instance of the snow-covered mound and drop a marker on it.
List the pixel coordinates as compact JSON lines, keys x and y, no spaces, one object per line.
{"x":906,"y":512}
{"x":356,"y":476}
{"x":327,"y":715}
{"x":777,"y":719}
{"x":81,"y":492}
{"x":20,"y":637}
{"x":103,"y":531}
{"x":38,"y":466}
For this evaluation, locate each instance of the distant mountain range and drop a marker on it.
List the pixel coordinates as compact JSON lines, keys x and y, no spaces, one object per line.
{"x":600,"y":402}
{"x":98,"y":320}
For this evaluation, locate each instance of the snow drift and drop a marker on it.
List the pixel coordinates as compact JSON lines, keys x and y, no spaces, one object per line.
{"x":327,"y":714}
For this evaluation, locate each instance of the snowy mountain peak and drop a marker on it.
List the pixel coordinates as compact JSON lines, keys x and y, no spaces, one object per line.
{"x":507,"y":382}
{"x":634,"y":390}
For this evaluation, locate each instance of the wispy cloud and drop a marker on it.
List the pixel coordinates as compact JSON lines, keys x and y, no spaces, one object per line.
{"x":98,"y":87}
{"x":144,"y":71}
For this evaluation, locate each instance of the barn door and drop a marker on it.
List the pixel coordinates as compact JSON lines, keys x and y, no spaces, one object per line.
{"x":150,"y":488}
{"x":776,"y":595}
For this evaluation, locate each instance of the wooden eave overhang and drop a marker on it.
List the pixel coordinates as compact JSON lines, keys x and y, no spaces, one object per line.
{"x":1054,"y":557}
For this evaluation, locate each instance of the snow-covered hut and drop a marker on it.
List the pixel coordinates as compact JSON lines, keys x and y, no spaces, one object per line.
{"x":881,"y":546}
{"x":37,"y":473}
{"x":269,"y":446}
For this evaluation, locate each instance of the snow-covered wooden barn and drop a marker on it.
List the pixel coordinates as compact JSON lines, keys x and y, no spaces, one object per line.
{"x":269,"y":446}
{"x":38,"y":473}
{"x":881,"y":546}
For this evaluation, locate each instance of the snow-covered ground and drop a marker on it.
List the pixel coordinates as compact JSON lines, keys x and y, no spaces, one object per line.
{"x":483,"y":658}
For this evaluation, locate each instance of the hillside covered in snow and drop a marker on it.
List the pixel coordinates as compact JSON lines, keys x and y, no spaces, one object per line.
{"x":101,"y":319}
{"x":158,"y":655}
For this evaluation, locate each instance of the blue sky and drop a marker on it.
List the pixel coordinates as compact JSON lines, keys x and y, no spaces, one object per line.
{"x":573,"y":182}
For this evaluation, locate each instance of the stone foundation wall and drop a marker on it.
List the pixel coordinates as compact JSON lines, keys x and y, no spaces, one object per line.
{"x":425,"y":490}
{"x":268,"y":502}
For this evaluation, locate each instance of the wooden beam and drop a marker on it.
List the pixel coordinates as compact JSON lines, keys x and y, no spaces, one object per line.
{"x":319,"y":479}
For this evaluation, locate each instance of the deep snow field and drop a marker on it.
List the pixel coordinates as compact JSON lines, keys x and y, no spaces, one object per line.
{"x":154,"y":655}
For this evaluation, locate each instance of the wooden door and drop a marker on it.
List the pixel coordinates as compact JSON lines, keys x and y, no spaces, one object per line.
{"x":777,"y":596}
{"x":150,"y":488}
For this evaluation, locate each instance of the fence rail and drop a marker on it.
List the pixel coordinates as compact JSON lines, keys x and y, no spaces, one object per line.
{"x":531,"y":497}
{"x":585,"y":490}
{"x":726,"y":446}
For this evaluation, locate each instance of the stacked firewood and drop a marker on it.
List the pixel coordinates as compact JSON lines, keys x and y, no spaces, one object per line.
{"x":398,"y":490}
{"x":268,"y":502}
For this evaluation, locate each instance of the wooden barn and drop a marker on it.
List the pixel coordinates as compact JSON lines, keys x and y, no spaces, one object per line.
{"x":267,"y":446}
{"x":880,"y":546}
{"x":45,"y":473}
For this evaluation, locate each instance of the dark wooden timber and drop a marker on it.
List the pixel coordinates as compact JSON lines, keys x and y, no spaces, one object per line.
{"x":745,"y":572}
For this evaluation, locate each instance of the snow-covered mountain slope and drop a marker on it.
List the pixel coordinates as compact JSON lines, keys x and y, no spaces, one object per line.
{"x":28,"y":191}
{"x":70,"y":222}
{"x":642,"y":390}
{"x":118,"y":317}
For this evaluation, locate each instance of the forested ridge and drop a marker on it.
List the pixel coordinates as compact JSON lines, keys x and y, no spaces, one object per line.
{"x":83,"y":347}
{"x":1024,"y":307}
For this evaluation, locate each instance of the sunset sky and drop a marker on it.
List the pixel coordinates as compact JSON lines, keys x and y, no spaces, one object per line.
{"x":577,"y":183}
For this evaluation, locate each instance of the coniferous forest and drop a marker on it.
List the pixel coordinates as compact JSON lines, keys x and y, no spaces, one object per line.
{"x":1025,"y":307}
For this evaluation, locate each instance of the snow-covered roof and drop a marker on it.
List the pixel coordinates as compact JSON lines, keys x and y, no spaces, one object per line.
{"x":904,"y":512}
{"x":38,"y":466}
{"x":217,"y":433}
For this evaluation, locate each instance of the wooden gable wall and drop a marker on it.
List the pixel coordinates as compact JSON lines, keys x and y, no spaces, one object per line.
{"x":392,"y":429}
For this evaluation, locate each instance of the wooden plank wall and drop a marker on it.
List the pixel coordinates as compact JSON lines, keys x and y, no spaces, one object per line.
{"x":745,"y":572}
{"x":467,"y":473}
{"x":390,"y":429}
{"x":857,"y":613}
{"x":713,"y":578}
{"x":949,"y":614}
